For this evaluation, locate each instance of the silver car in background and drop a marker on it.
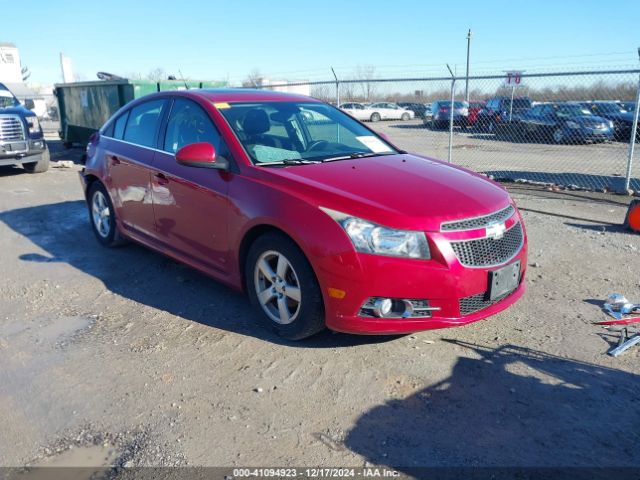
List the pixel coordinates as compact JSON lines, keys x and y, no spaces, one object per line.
{"x":360,"y":112}
{"x":391,"y":111}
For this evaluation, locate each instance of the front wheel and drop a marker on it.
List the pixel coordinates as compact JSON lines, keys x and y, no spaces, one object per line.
{"x":405,"y":117}
{"x":375,"y":117}
{"x":41,"y":165}
{"x":283,"y":287}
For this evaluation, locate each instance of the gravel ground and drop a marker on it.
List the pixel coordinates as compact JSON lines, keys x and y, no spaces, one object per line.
{"x":124,"y":357}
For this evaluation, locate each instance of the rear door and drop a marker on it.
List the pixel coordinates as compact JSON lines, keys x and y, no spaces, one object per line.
{"x":130,"y":156}
{"x":190,"y":204}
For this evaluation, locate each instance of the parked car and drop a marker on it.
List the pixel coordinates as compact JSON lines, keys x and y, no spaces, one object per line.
{"x":614,"y":111}
{"x":346,"y":232}
{"x":501,"y":111}
{"x":474,"y":110}
{"x":360,"y":112}
{"x":391,"y":111}
{"x":21,"y":139}
{"x":565,"y":123}
{"x":628,"y":106}
{"x":441,"y":114}
{"x":418,"y":109}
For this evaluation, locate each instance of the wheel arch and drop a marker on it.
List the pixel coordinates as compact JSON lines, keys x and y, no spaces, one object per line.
{"x":251,"y":236}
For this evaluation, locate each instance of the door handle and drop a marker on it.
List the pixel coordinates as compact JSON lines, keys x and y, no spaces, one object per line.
{"x":161,"y":179}
{"x":115,"y":160}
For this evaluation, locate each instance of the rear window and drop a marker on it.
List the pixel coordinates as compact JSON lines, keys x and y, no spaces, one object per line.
{"x":143,"y":123}
{"x":521,"y":103}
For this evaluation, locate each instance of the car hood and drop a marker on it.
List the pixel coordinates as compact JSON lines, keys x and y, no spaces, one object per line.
{"x":401,"y":191}
{"x":19,"y":110}
{"x":589,"y":120}
{"x":626,"y":117}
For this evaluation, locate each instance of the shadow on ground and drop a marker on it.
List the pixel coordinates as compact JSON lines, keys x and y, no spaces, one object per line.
{"x":509,"y":407}
{"x":581,"y":180}
{"x":63,"y":232}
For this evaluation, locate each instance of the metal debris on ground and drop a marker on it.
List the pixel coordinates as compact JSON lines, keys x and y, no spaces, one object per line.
{"x":622,"y":311}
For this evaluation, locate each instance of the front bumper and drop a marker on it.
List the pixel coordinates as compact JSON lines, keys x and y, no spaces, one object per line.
{"x":443,"y":281}
{"x":17,"y":152}
{"x":590,"y":134}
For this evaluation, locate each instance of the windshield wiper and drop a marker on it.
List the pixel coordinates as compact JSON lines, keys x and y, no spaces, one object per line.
{"x":289,"y":161}
{"x":357,"y":155}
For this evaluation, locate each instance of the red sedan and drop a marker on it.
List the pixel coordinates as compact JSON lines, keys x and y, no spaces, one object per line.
{"x":323,"y":222}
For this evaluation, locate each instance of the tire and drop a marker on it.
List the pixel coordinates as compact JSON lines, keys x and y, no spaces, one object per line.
{"x":558,"y":136}
{"x":405,"y":117}
{"x":103,"y":222}
{"x":39,"y":166}
{"x":375,"y":117}
{"x":291,"y":316}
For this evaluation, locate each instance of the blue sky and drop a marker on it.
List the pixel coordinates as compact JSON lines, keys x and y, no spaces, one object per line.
{"x":302,"y":40}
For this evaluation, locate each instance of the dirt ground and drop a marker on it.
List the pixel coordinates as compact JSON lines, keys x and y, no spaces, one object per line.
{"x":125,"y":357}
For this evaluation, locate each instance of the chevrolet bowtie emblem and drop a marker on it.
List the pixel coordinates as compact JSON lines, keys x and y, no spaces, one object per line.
{"x":496,"y":231}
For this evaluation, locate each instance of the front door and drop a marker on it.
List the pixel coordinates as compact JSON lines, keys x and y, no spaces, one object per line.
{"x":190,"y":204}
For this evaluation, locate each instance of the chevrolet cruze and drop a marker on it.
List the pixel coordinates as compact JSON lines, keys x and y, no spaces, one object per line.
{"x":322,"y":221}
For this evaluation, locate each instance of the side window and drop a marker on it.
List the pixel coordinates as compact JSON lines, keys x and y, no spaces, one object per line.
{"x":108,"y":131}
{"x":118,"y":129}
{"x":143,"y":123}
{"x":189,"y":123}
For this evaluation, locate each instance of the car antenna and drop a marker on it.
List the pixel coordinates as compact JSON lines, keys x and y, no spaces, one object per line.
{"x":183,"y":80}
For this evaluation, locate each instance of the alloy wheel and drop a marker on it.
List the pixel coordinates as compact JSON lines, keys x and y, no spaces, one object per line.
{"x":101,"y":214}
{"x":277,"y":287}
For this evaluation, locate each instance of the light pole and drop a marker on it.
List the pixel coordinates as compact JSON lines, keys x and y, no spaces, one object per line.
{"x":466,"y":87}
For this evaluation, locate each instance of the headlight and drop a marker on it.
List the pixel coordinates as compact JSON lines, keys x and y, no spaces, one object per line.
{"x":368,"y":237}
{"x":571,"y":124}
{"x":34,"y":125}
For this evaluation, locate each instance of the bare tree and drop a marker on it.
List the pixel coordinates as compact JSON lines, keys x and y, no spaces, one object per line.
{"x":366,"y":73}
{"x":157,"y":74}
{"x":254,"y":79}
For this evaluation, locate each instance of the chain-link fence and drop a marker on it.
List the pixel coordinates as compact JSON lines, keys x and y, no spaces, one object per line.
{"x":566,"y":128}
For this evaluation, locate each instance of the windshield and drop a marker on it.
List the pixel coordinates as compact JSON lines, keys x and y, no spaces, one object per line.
{"x":297,"y":132}
{"x":608,"y":108}
{"x":572,"y":111}
{"x":7,"y":99}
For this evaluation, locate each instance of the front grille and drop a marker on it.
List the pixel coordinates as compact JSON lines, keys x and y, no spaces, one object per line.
{"x":475,"y":303}
{"x":478,"y":222}
{"x":486,"y":252}
{"x":11,"y":128}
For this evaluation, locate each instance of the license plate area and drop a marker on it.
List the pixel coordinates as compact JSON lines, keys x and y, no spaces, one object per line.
{"x":504,"y":280}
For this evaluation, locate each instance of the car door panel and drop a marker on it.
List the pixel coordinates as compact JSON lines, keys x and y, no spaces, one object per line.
{"x":129,"y":174}
{"x":129,"y":159}
{"x":190,"y":204}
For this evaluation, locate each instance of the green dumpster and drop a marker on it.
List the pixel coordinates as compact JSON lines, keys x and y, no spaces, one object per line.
{"x":85,"y":106}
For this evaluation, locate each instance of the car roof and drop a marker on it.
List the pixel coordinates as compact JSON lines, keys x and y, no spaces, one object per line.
{"x":238,"y":95}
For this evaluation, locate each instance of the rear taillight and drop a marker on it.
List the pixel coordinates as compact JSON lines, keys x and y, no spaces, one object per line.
{"x":91,"y":146}
{"x":443,"y":109}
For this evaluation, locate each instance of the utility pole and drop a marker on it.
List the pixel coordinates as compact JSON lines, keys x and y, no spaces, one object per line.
{"x":466,"y":87}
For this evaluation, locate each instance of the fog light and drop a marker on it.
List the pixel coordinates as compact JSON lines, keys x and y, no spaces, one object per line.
{"x":382,"y":307}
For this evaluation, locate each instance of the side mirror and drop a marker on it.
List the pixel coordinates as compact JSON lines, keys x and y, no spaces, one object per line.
{"x":29,"y":104}
{"x":201,"y":155}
